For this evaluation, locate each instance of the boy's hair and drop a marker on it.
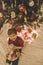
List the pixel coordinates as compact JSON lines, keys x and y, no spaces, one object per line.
{"x":12,"y":31}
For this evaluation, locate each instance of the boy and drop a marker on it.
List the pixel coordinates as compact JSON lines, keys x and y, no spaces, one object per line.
{"x":14,"y":40}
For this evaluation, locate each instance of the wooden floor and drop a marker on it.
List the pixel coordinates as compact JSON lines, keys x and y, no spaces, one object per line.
{"x":32,"y":54}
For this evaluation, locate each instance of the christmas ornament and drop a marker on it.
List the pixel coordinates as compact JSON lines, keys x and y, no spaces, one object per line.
{"x":13,"y":14}
{"x":31,"y":3}
{"x":21,"y":7}
{"x":32,"y":16}
{"x":18,"y":29}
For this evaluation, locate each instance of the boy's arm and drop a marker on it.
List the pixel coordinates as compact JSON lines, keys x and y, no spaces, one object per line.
{"x":11,"y":46}
{"x":15,"y":47}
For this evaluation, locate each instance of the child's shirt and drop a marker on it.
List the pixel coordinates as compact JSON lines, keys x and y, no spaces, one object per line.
{"x":17,"y":42}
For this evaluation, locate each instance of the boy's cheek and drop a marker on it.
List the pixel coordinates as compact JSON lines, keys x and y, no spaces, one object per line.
{"x":11,"y":38}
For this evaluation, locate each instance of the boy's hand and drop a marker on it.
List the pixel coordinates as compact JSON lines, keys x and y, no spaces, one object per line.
{"x":11,"y":46}
{"x":15,"y":47}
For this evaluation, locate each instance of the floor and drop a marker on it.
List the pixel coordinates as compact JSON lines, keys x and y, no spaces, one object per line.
{"x":32,"y":53}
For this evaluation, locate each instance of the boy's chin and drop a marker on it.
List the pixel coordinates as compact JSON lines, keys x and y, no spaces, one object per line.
{"x":14,"y":39}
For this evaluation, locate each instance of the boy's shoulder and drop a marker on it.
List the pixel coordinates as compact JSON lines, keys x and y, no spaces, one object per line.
{"x":19,"y":38}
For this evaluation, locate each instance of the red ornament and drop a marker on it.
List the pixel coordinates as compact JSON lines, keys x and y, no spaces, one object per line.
{"x":10,"y":21}
{"x":0,"y":9}
{"x":18,"y":29}
{"x":33,"y":16}
{"x":21,"y":7}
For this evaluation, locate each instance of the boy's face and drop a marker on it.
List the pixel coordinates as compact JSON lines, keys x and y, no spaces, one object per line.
{"x":13,"y":37}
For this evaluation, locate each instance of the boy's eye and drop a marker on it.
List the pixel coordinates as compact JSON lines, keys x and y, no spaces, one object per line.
{"x":13,"y":36}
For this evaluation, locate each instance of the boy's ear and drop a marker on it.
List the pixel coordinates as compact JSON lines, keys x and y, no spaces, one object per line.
{"x":7,"y":38}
